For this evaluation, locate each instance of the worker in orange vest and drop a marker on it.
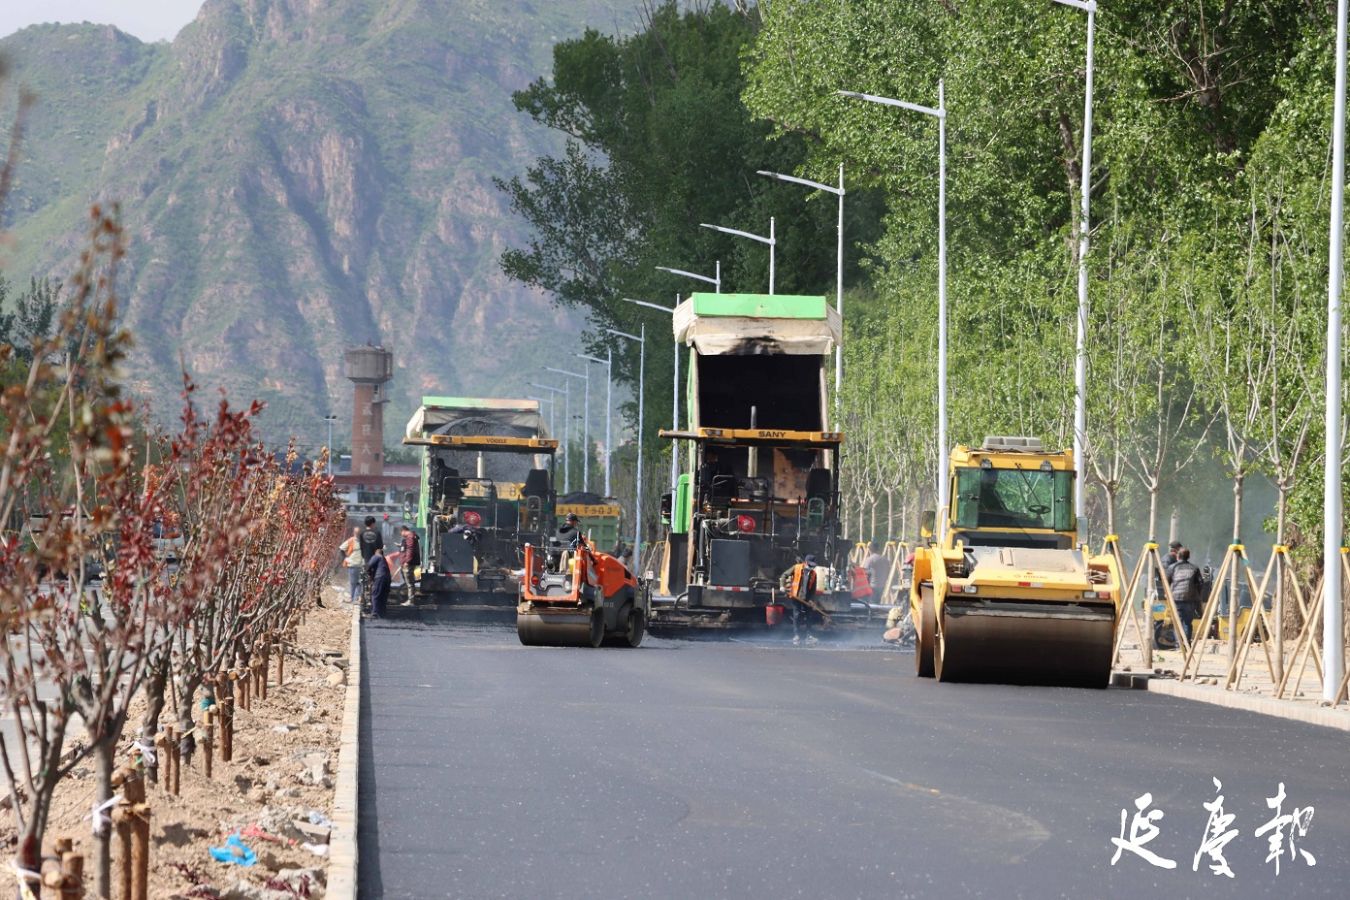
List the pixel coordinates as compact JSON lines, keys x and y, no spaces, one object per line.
{"x":802,"y":588}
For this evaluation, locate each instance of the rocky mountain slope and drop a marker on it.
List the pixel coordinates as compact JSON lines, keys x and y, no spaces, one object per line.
{"x":297,"y":176}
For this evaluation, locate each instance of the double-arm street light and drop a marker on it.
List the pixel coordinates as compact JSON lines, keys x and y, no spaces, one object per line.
{"x":641,"y":338}
{"x":940,"y":113}
{"x":566,"y":391}
{"x":839,"y":269}
{"x":608,"y":363}
{"x":770,"y":240}
{"x":1080,"y":358}
{"x":674,"y":394}
{"x":585,"y":424}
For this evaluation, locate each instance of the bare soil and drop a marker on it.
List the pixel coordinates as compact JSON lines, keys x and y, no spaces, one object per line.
{"x":285,"y":754}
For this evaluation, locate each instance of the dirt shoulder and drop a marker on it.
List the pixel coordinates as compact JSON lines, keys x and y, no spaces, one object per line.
{"x":277,"y":792}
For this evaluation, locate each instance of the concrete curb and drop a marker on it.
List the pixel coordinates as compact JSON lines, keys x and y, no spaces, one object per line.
{"x":1308,"y":713}
{"x":342,"y":851}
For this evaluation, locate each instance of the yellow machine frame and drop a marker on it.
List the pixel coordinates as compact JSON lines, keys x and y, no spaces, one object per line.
{"x":1030,"y":604}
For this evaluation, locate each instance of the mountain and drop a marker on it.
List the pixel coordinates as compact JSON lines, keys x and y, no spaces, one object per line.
{"x":297,"y":176}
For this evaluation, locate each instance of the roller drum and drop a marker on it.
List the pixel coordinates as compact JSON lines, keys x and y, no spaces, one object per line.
{"x":568,"y":628}
{"x":1025,"y":643}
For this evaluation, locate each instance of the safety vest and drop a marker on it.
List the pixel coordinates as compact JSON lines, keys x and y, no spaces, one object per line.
{"x":803,"y":584}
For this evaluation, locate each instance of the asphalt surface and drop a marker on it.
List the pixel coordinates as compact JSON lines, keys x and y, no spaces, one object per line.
{"x":732,"y":769}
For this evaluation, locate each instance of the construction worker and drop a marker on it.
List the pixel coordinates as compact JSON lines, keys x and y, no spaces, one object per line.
{"x":802,"y":586}
{"x":566,"y":539}
{"x":1186,"y":587}
{"x":569,"y":532}
{"x":877,"y":567}
{"x":1170,"y":560}
{"x":371,"y":540}
{"x":411,"y":548}
{"x":378,"y":570}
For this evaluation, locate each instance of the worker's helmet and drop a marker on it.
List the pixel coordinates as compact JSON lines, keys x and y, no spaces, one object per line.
{"x":572,"y":517}
{"x":810,"y":559}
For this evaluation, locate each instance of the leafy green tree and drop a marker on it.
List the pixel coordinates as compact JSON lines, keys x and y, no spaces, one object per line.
{"x":33,"y":317}
{"x":659,"y":141}
{"x":1186,"y":92}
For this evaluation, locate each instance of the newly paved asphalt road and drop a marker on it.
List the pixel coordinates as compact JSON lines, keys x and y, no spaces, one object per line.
{"x":727,"y":769}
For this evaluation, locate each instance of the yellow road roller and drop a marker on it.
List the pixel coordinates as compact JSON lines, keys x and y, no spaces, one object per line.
{"x":575,"y":596}
{"x":1005,"y":593}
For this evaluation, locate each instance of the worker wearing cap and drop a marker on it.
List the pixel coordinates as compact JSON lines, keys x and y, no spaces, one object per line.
{"x":569,"y":532}
{"x":568,"y":537}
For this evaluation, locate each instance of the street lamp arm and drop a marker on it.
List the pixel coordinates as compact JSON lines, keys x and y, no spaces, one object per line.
{"x":888,"y":101}
{"x":624,"y":334}
{"x":694,"y":275}
{"x":1084,"y":5}
{"x":837,"y":191}
{"x":565,"y":372}
{"x":745,"y":234}
{"x":650,"y":305}
{"x":593,"y":359}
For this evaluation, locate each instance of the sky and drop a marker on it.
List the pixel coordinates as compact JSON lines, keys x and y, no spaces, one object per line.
{"x":149,"y":20}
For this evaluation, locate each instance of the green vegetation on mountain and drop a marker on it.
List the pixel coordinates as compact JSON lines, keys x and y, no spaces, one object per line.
{"x":295,"y":178}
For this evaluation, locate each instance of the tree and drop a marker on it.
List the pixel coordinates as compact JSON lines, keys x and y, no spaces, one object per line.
{"x":33,"y":317}
{"x":1185,"y":91}
{"x":77,"y":497}
{"x":657,"y":142}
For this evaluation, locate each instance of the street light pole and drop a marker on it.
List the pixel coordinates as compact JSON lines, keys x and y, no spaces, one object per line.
{"x":547,"y":400}
{"x":330,"y":419}
{"x":552,"y":408}
{"x":839,"y":270}
{"x":552,"y":405}
{"x":641,"y":338}
{"x":1332,"y":613}
{"x":609,"y":414}
{"x":940,"y":113}
{"x":585,"y":425}
{"x":609,"y":401}
{"x":770,"y":240}
{"x":674,"y":394}
{"x":1080,"y":358}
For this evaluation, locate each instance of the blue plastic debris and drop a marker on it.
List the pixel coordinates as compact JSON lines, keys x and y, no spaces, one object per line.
{"x":235,"y":852}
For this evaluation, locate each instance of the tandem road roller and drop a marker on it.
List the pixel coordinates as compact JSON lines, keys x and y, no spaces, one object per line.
{"x":575,"y":596}
{"x":1006,"y":594}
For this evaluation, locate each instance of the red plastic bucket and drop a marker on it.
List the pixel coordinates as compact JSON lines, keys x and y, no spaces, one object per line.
{"x":773,"y":613}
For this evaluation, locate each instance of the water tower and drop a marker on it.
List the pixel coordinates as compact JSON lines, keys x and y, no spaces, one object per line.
{"x":369,"y":368}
